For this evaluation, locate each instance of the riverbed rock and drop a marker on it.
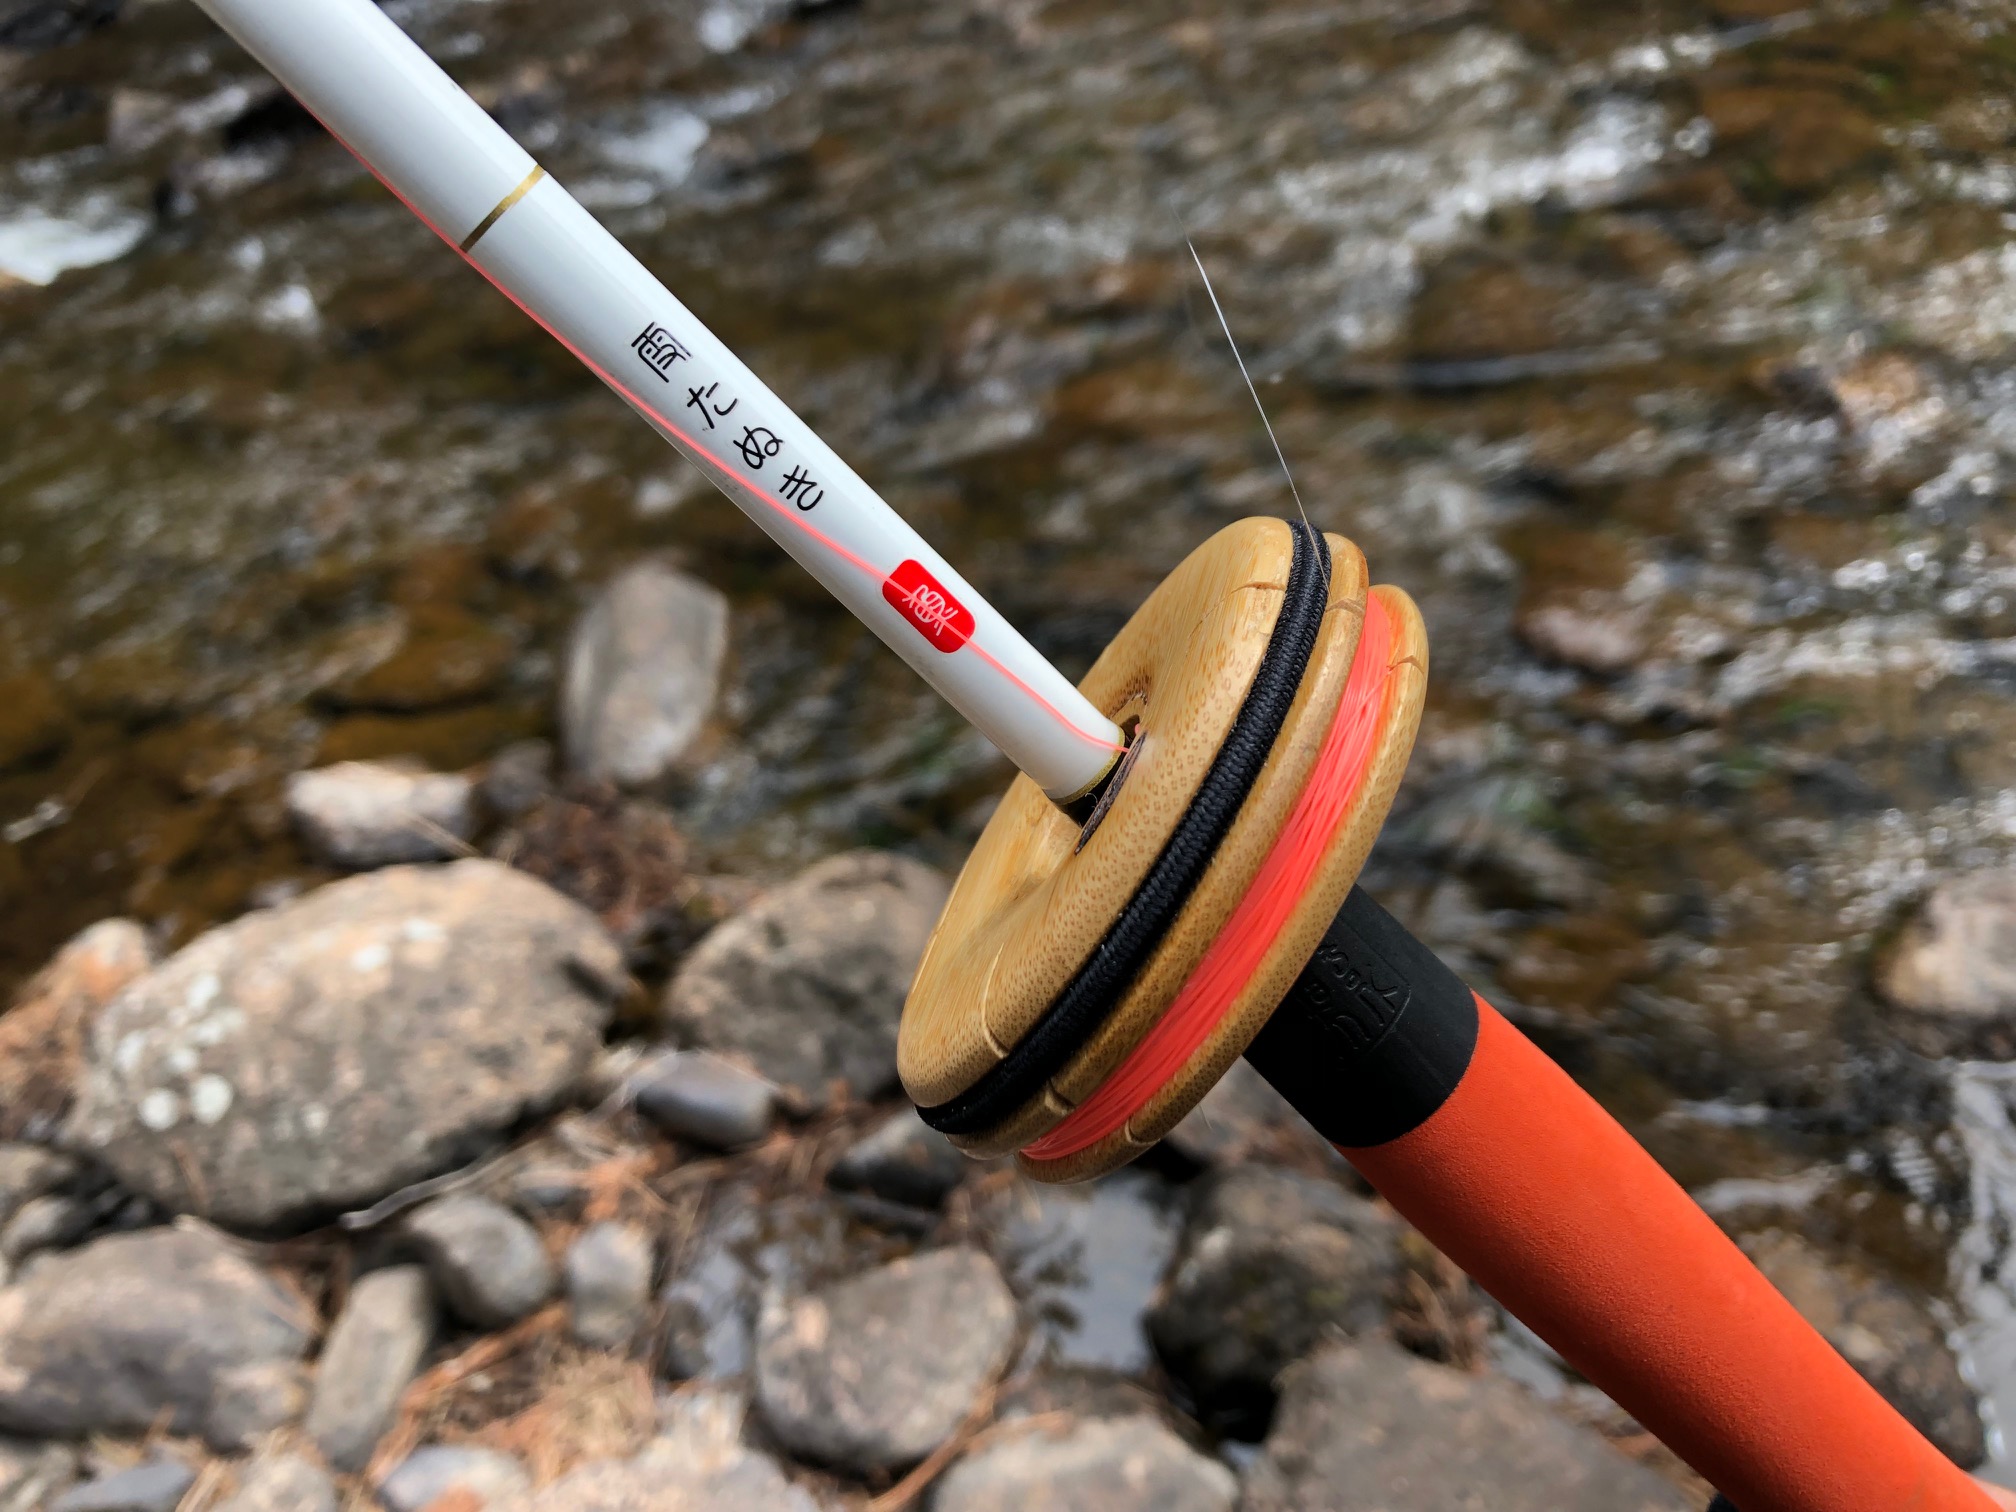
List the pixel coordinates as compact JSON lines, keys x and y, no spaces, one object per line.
{"x":1364,"y":1425}
{"x":316,"y":1056}
{"x":702,"y":1098}
{"x":608,"y":1273}
{"x":1590,"y":632}
{"x":47,"y":1222}
{"x":43,"y":1037}
{"x":643,"y":671}
{"x":1887,"y":1334}
{"x":361,"y":814}
{"x":33,"y":1472}
{"x":430,"y":1473}
{"x":134,"y":1331}
{"x":806,"y":985}
{"x":373,"y":1352}
{"x":156,"y":1486}
{"x":488,"y":1264}
{"x":1272,"y":1261}
{"x":518,"y":778}
{"x":698,"y":1463}
{"x":282,"y":1483}
{"x":874,"y":1372}
{"x":902,"y":1160}
{"x":31,"y":1171}
{"x":1950,"y":975}
{"x":1131,"y":1464}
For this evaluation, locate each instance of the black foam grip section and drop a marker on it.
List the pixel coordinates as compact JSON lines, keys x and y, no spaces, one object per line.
{"x":1721,"y":1504}
{"x":1375,"y":1034}
{"x":1089,"y":996}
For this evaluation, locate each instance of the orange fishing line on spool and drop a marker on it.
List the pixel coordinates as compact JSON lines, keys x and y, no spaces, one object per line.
{"x":1214,"y":986}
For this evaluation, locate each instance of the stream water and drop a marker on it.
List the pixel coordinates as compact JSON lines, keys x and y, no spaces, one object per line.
{"x":1666,"y":352}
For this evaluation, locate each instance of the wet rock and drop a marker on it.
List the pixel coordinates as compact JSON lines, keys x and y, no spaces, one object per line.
{"x":903,"y":1160}
{"x":807,"y":984}
{"x":44,"y":1223}
{"x":1088,"y":1262}
{"x":32,"y":723}
{"x":1131,"y":1464}
{"x":518,"y":778}
{"x":157,"y":1486}
{"x":282,"y":1483}
{"x":139,"y":1331}
{"x":698,"y":1464}
{"x":373,"y":1351}
{"x":42,"y":1038}
{"x":1885,"y":1333}
{"x":37,"y":25}
{"x":362,"y":814}
{"x":28,"y":1172}
{"x":1951,"y":973}
{"x":1240,"y":1117}
{"x":428,"y":1474}
{"x":1272,"y":1261}
{"x":319,"y":1055}
{"x":32,"y":1473}
{"x":1593,"y":634}
{"x":705,"y":1099}
{"x":747,"y":1249}
{"x":487,"y":1263}
{"x":873,"y":1373}
{"x":1363,"y":1425}
{"x":643,"y":672}
{"x":609,"y":1284}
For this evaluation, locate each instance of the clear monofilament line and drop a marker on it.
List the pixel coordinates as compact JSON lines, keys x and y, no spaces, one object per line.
{"x":464,"y":176}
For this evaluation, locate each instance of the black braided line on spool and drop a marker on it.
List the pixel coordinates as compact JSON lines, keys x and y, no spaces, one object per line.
{"x":1089,"y":996}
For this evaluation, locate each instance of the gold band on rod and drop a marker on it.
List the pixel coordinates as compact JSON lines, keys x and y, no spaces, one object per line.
{"x":524,"y":188}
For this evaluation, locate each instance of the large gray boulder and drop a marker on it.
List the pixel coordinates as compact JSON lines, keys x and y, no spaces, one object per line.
{"x":643,"y":671}
{"x":1129,"y":1464}
{"x":1362,"y":1425}
{"x":316,"y":1056}
{"x":873,"y":1373}
{"x":807,"y":984}
{"x":167,"y":1327}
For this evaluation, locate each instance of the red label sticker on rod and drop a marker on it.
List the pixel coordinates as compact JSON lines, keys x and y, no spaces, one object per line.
{"x":925,"y":602}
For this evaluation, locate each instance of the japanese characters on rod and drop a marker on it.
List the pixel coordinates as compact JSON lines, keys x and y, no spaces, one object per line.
{"x":480,"y":191}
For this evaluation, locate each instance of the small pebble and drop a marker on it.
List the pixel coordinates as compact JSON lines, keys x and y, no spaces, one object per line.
{"x":373,"y":1351}
{"x":153,"y":1487}
{"x":705,"y":1099}
{"x":428,"y":1474}
{"x":608,"y":1284}
{"x":518,"y":778}
{"x":486,"y":1261}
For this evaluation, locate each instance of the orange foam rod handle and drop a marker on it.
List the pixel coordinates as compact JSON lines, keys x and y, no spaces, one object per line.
{"x":1524,"y":1181}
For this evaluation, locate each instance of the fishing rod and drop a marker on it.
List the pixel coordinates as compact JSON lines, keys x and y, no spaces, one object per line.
{"x":1143,"y":910}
